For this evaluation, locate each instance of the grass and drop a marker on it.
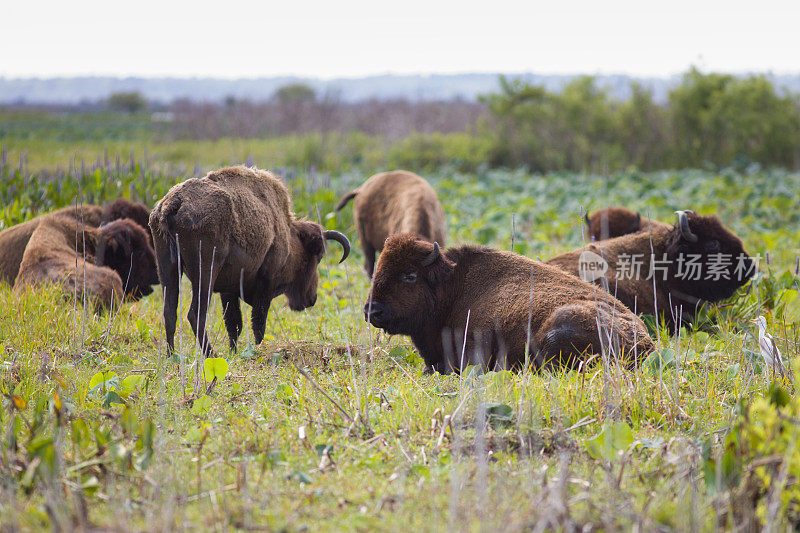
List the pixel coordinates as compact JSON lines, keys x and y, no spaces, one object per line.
{"x":331,"y":425}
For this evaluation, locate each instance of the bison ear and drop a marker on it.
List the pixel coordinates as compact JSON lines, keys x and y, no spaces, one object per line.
{"x":311,"y":237}
{"x":440,"y":268}
{"x":115,"y":247}
{"x":637,"y":224}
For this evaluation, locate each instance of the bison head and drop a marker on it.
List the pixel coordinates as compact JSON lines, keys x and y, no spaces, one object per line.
{"x":706,"y":260}
{"x":409,"y":273}
{"x":612,"y":222}
{"x":124,"y":208}
{"x":124,"y":246}
{"x":301,"y":290}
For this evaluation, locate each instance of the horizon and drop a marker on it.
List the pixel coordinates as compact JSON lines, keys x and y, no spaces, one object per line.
{"x":419,"y":74}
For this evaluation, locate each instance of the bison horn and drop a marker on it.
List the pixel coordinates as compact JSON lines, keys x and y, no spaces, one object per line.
{"x":341,"y":239}
{"x":683,"y":222}
{"x":638,"y":224}
{"x":431,"y":257}
{"x":586,"y":219}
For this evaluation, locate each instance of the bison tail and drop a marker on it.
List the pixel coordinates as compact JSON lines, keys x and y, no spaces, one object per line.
{"x":347,"y":197}
{"x":162,"y":221}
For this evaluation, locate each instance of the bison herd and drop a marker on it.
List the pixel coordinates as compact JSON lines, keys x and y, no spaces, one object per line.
{"x":234,"y":232}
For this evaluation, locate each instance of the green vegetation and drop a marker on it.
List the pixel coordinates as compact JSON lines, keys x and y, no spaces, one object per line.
{"x":129,"y":102}
{"x":331,"y":425}
{"x":710,"y":119}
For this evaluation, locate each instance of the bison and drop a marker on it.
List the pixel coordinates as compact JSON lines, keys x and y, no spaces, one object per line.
{"x":476,"y":305}
{"x":394,"y":202}
{"x":233,"y":232}
{"x":13,"y":240}
{"x":117,"y":259}
{"x":617,"y":221}
{"x":668,"y":271}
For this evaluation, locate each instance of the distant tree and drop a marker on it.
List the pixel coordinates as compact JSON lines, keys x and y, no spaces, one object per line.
{"x":720,"y":118}
{"x":129,"y":102}
{"x":295,"y":93}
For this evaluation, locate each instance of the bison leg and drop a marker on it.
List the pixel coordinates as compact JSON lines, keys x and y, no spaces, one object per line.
{"x":570,"y":332}
{"x":201,"y":296}
{"x":232,"y":314}
{"x":170,"y":284}
{"x":369,"y":258}
{"x":259,"y":320}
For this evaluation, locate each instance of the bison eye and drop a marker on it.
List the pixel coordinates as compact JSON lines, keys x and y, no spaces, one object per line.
{"x":409,"y":277}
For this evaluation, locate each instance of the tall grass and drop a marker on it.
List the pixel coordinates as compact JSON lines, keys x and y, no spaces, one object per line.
{"x":330,"y":424}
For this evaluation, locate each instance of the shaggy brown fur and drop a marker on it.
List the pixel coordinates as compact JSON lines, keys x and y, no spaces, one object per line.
{"x":118,"y":259}
{"x":427,"y":294}
{"x":617,"y":221}
{"x":673,"y":296}
{"x":234,"y":232}
{"x":394,"y":202}
{"x":124,"y":208}
{"x":14,"y":239}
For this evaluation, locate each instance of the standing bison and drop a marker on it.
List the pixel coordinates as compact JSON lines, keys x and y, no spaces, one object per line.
{"x":234,"y":232}
{"x":116,"y":259}
{"x":669,"y":271}
{"x":394,"y":202}
{"x":13,"y":240}
{"x":617,"y":221}
{"x":475,"y":305}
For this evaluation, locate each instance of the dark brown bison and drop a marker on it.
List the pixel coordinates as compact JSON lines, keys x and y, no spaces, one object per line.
{"x":501,"y":302}
{"x":118,"y":259}
{"x":234,"y":232}
{"x":394,"y":202}
{"x":13,"y":240}
{"x":617,"y":221}
{"x":668,"y":271}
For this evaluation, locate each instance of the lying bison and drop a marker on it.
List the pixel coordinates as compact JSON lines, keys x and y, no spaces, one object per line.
{"x":617,"y":221}
{"x":668,"y":271}
{"x":117,"y":259}
{"x":234,"y":232}
{"x":13,"y":240}
{"x":394,"y":202}
{"x":501,"y":302}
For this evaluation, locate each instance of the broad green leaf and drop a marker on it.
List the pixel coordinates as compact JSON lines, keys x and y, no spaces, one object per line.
{"x":658,"y":361}
{"x":101,"y":379}
{"x":201,"y":405}
{"x":215,"y":367}
{"x":129,"y":384}
{"x":614,"y":438}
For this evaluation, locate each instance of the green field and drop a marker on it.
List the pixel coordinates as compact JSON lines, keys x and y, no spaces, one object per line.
{"x":332,"y":425}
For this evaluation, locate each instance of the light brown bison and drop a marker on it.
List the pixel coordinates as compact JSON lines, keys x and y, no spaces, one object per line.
{"x":118,"y":259}
{"x":501,"y":302}
{"x":617,"y":221}
{"x":394,"y":202}
{"x":234,"y":232}
{"x":668,"y":271}
{"x":13,"y":240}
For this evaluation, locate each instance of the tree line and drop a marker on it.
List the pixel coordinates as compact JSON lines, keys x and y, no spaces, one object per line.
{"x":709,"y":119}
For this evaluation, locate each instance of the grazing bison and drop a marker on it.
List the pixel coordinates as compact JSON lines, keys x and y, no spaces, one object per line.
{"x":234,"y":232}
{"x":668,"y":271}
{"x":118,"y":259}
{"x":501,"y":302}
{"x":617,"y":221}
{"x":394,"y":202}
{"x":13,"y":240}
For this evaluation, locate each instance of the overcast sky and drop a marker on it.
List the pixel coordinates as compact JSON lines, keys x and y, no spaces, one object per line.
{"x":351,"y":38}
